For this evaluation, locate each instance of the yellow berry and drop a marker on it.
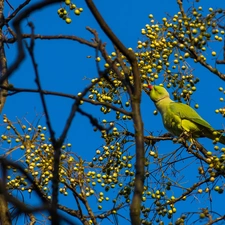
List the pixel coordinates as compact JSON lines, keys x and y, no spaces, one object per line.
{"x":67,"y":2}
{"x":68,"y":20}
{"x":98,"y":59}
{"x":77,"y":12}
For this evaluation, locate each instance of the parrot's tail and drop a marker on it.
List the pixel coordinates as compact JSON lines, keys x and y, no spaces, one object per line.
{"x":216,"y":135}
{"x":222,"y":139}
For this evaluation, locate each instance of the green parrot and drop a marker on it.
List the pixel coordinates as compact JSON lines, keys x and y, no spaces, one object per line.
{"x":179,"y":118}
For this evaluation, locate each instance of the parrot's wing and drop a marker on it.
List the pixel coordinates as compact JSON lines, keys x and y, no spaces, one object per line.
{"x":186,"y":112}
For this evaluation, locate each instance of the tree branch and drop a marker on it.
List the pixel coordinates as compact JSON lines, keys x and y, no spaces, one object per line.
{"x":54,"y":37}
{"x":135,"y":97}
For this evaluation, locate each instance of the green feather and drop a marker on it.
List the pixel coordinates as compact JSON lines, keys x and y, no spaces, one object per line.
{"x":186,"y":112}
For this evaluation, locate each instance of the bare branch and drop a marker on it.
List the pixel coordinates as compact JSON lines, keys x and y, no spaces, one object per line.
{"x":9,"y":5}
{"x":18,"y":9}
{"x":54,"y":37}
{"x":93,"y":120}
{"x":3,"y":61}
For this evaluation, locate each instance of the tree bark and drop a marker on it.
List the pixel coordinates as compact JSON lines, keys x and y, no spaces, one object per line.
{"x":3,"y":62}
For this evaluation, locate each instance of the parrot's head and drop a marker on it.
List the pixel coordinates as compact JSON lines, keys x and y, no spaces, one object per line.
{"x":157,"y":93}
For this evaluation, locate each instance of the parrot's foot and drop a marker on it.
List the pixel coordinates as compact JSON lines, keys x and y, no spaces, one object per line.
{"x":190,"y":148}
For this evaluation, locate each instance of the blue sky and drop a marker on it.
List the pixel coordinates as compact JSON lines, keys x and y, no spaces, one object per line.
{"x":63,"y":65}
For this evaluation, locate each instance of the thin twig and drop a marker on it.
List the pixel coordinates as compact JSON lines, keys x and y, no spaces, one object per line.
{"x":54,"y":37}
{"x":18,"y":9}
{"x":93,"y":120}
{"x":9,"y":4}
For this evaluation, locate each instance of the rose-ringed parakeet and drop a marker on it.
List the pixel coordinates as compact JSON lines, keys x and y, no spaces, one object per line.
{"x":179,"y":118}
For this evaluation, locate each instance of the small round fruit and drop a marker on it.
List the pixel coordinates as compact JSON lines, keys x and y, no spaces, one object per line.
{"x":196,"y":106}
{"x":67,"y":2}
{"x":77,"y":12}
{"x":68,"y":20}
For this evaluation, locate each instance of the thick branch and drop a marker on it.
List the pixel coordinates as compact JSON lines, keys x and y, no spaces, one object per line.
{"x":3,"y":64}
{"x":138,"y":124}
{"x":4,"y":211}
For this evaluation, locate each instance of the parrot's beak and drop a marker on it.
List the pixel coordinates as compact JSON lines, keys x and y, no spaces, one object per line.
{"x":150,"y":87}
